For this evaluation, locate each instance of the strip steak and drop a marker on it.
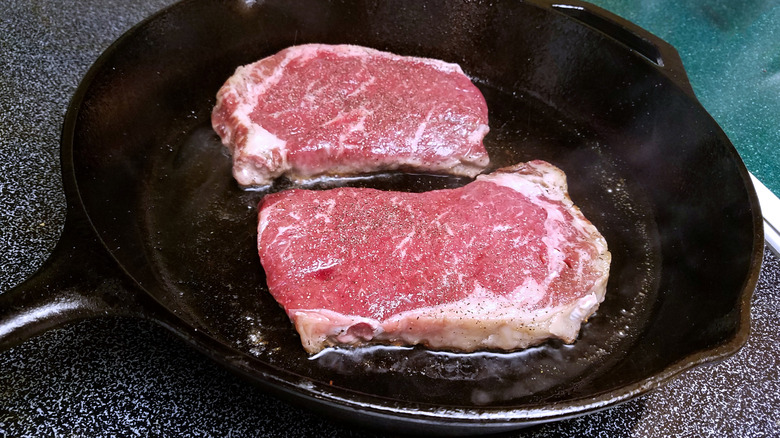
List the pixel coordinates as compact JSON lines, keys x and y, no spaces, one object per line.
{"x":316,"y":109}
{"x":504,"y":262}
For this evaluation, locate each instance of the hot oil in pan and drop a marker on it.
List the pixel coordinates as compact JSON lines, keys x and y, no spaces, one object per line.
{"x":204,"y":250}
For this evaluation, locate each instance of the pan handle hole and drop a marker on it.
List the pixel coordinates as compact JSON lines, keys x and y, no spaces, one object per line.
{"x":639,"y":44}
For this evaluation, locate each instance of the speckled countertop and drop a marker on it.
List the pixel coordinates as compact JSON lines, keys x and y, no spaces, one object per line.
{"x":126,"y":377}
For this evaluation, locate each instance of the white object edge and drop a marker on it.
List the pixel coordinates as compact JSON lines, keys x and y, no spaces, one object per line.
{"x":770,"y":210}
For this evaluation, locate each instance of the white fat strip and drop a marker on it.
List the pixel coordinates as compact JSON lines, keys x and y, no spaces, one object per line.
{"x":311,"y":95}
{"x":398,"y":202}
{"x":491,"y":320}
{"x":583,"y":308}
{"x":586,"y":228}
{"x":309,"y":87}
{"x":260,"y":142}
{"x":262,"y":222}
{"x":551,"y":185}
{"x":522,"y":185}
{"x":364,"y":85}
{"x":331,"y":203}
{"x":340,"y":117}
{"x":326,"y":216}
{"x":315,"y":326}
{"x":323,"y":216}
{"x":480,"y":304}
{"x":401,"y":247}
{"x":300,"y":53}
{"x":441,"y":215}
{"x":307,"y":98}
{"x":284,"y":243}
{"x":415,"y":142}
{"x":348,"y":50}
{"x":319,"y":265}
{"x":566,"y":324}
{"x":478,"y":134}
{"x":359,"y":125}
{"x":380,"y":307}
{"x":581,"y":266}
{"x":520,"y":240}
{"x":553,"y":239}
{"x":283,"y":229}
{"x":528,"y":293}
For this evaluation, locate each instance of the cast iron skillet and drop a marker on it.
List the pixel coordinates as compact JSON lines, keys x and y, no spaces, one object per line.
{"x":149,"y":191}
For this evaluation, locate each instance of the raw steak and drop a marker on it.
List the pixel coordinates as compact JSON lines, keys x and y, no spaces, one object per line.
{"x":504,"y":262}
{"x":316,"y":110}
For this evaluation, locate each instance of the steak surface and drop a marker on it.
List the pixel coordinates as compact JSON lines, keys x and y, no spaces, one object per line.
{"x":504,"y":263}
{"x":315,"y":110}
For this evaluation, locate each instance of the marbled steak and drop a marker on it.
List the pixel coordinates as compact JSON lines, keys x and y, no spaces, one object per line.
{"x":504,"y":262}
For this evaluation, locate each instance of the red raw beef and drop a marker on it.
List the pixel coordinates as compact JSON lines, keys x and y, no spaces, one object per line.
{"x":504,"y":262}
{"x":315,"y":110}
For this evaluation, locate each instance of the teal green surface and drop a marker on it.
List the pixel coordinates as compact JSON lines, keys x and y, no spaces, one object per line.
{"x":731,"y":51}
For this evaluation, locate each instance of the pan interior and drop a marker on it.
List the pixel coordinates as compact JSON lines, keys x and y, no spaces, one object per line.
{"x":156,"y":184}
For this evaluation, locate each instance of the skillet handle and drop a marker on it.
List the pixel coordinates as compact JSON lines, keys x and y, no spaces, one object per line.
{"x":79,"y":280}
{"x":649,"y":46}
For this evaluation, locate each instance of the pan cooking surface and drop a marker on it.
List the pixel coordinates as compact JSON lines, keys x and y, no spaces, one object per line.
{"x":202,"y":242}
